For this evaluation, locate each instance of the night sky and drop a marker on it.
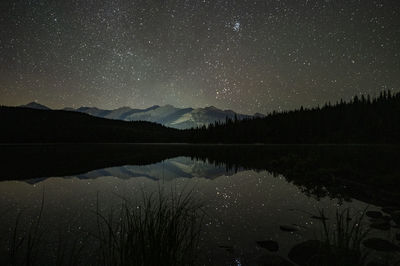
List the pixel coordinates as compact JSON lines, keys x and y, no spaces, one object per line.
{"x":249,"y":56}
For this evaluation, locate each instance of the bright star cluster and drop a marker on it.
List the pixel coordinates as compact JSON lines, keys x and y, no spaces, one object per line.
{"x":249,"y":56}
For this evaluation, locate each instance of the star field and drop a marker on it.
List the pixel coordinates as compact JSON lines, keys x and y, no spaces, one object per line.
{"x":249,"y":56}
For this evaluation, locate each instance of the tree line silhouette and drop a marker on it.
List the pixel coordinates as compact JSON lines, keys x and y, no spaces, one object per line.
{"x":362,"y":120}
{"x":26,"y":125}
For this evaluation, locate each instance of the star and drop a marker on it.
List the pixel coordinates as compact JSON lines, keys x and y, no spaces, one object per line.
{"x":236,"y":27}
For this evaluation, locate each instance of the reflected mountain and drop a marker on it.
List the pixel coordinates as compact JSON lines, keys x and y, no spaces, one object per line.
{"x":370,"y":173}
{"x":266,"y":209}
{"x":179,"y":167}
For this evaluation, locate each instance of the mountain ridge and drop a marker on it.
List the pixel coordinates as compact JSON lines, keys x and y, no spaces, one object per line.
{"x":359,"y":121}
{"x":35,"y":105}
{"x":167,"y":115}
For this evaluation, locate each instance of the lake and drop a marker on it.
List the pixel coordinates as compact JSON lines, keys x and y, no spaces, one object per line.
{"x":253,"y":196}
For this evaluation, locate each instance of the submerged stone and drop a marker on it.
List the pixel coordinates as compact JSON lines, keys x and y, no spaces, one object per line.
{"x":322,"y":218}
{"x":273,"y":260}
{"x":374,"y":214}
{"x":390,"y":210}
{"x":380,"y":244}
{"x":289,"y":228}
{"x":317,"y":253}
{"x":227,"y":248}
{"x":309,"y":253}
{"x":269,"y":245}
{"x":396,"y":217}
{"x":375,"y":263}
{"x":376,"y":220}
{"x":382,"y":225}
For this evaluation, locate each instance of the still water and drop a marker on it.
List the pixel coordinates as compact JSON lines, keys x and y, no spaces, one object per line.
{"x":246,"y":200}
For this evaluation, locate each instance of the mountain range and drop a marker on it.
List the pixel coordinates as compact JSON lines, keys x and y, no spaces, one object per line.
{"x":167,"y":115}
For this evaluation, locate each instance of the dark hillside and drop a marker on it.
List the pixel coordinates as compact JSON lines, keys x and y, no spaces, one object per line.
{"x":20,"y":124}
{"x":360,"y":121}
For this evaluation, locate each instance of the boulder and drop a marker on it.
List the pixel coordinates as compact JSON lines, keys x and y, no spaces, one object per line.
{"x":317,"y":253}
{"x":396,"y":217}
{"x":375,"y":263}
{"x":322,"y":218}
{"x":380,"y":244}
{"x":309,"y":253}
{"x":273,"y":260}
{"x":269,"y":245}
{"x":381,"y":225}
{"x":289,"y":228}
{"x":374,"y":214}
{"x":390,"y":210}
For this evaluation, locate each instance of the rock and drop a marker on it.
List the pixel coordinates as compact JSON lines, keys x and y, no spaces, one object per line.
{"x":375,"y":263}
{"x":374,"y":220}
{"x":322,"y":218}
{"x":227,"y":248}
{"x":310,"y":253}
{"x":379,"y":244}
{"x":317,"y":253}
{"x":269,"y":245}
{"x":374,"y":214}
{"x":398,"y":236}
{"x":382,"y":225}
{"x":390,"y":210}
{"x":396,"y":217}
{"x":289,"y":228}
{"x":273,"y":260}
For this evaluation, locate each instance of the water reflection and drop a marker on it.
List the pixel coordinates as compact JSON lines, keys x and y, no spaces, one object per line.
{"x":246,"y":199}
{"x":179,"y":167}
{"x":241,"y":209}
{"x":368,"y":173}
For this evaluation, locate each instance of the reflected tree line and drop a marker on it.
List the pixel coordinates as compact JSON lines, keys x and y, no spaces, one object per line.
{"x":371,"y":173}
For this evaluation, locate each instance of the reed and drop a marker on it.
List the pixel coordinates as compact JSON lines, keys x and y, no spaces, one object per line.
{"x":160,"y":230}
{"x":24,"y":246}
{"x":343,"y":239}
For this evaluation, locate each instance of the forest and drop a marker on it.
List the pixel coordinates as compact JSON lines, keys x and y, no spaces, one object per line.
{"x":362,"y":120}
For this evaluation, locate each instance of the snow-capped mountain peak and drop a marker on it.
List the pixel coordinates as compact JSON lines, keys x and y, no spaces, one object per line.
{"x":167,"y":115}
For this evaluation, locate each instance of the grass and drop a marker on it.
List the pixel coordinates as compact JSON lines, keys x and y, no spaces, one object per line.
{"x":160,"y":230}
{"x":23,"y":248}
{"x":343,"y":241}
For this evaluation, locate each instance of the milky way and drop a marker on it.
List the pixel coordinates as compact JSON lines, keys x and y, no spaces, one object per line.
{"x":249,"y":56}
